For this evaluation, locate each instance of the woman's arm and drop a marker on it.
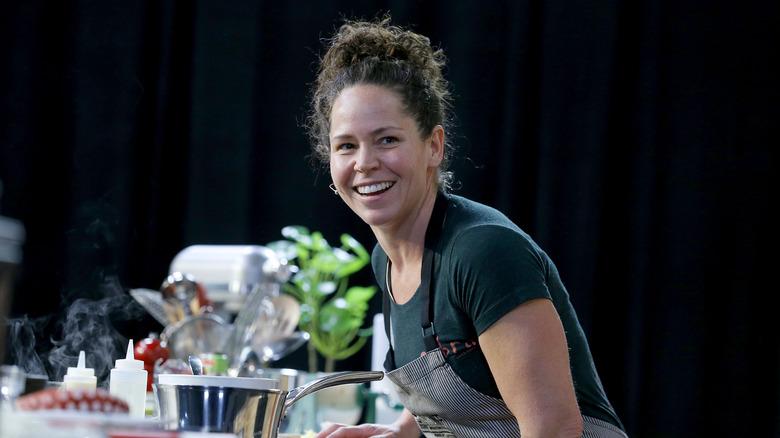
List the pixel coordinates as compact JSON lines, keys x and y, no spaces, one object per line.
{"x":528,"y":356}
{"x":404,"y":427}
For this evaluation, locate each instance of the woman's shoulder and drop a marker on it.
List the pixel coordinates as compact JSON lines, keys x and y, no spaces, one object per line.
{"x":378,"y":259}
{"x":470,"y":220}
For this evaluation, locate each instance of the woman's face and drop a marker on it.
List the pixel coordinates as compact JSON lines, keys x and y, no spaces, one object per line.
{"x":381,"y":167}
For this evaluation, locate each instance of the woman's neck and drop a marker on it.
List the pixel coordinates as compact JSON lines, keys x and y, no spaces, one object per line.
{"x":404,"y":248}
{"x":404,"y":244}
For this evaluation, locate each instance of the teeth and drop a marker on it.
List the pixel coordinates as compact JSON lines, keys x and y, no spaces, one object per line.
{"x":373,"y":188}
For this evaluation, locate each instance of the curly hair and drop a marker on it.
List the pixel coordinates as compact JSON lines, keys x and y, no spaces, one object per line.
{"x":377,"y":53}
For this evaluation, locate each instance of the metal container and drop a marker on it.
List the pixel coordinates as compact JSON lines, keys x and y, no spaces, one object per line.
{"x":249,"y":413}
{"x":11,"y":238}
{"x":229,"y":272}
{"x":196,"y":335}
{"x":299,"y":418}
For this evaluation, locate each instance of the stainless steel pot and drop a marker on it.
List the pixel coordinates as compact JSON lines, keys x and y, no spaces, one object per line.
{"x":249,"y":413}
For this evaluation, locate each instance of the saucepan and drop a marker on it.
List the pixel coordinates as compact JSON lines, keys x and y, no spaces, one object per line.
{"x":248,"y":407}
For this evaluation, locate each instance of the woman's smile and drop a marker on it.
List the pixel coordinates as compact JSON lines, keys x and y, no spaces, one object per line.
{"x":374,"y":189}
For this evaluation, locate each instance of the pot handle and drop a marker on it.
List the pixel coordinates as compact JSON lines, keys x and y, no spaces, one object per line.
{"x":337,"y":379}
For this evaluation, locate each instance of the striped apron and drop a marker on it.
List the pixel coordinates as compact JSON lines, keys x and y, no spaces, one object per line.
{"x":442,"y":403}
{"x":445,"y":406}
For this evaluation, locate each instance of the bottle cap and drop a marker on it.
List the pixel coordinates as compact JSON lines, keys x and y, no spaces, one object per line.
{"x":81,"y":370}
{"x":129,"y":362}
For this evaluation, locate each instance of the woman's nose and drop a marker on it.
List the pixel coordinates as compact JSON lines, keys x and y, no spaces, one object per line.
{"x":366,"y":160}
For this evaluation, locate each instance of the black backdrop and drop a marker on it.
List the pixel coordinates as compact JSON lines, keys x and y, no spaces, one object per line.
{"x":635,"y":141}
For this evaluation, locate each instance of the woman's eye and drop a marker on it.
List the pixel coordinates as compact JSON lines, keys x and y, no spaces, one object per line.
{"x":389,"y":140}
{"x":344,"y":146}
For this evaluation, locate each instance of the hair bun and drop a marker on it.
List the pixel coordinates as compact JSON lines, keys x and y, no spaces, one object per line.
{"x":357,"y":41}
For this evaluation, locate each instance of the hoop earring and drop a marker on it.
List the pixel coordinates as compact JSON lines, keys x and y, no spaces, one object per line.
{"x":333,"y":187}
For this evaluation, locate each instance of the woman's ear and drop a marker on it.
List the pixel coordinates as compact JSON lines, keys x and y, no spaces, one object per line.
{"x":436,"y":146}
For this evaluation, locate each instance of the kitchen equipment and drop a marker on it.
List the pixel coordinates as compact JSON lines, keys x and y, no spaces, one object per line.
{"x":178,"y":291}
{"x":301,"y":417}
{"x":230,"y":272}
{"x":200,"y":380}
{"x":11,"y":238}
{"x":253,"y":321}
{"x":247,"y":412}
{"x":196,"y":366}
{"x":286,"y":315}
{"x":281,"y":347}
{"x":252,"y":364}
{"x":196,"y":334}
{"x":152,"y":302}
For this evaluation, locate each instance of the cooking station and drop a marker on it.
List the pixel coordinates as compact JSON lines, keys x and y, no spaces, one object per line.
{"x":208,"y":374}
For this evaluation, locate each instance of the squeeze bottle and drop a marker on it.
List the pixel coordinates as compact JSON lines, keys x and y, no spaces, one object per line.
{"x":81,"y":377}
{"x":128,"y":382}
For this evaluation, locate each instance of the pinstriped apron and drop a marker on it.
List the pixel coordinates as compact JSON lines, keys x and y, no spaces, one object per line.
{"x":442,"y":403}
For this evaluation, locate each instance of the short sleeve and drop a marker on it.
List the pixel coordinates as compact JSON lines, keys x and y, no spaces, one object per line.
{"x":495,"y":269}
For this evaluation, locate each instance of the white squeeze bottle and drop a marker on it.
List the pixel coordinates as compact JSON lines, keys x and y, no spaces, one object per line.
{"x":81,"y":377}
{"x":128,"y":382}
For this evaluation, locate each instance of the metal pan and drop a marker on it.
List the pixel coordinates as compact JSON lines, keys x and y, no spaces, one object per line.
{"x":249,"y":413}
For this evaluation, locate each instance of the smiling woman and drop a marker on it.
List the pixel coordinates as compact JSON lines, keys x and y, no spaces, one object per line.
{"x":379,"y":120}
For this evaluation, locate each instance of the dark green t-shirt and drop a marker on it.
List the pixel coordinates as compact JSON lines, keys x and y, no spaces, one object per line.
{"x":486,"y":266}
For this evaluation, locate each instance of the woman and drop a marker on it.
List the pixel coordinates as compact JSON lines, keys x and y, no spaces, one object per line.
{"x":484,"y":341}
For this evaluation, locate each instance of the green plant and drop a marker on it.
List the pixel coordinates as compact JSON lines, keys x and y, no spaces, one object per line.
{"x":331,"y":312}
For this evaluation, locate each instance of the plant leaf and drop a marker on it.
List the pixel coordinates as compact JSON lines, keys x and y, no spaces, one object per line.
{"x":298,"y":234}
{"x":284,"y":249}
{"x":359,"y":296}
{"x":326,"y":287}
{"x":336,"y":317}
{"x":325,"y":262}
{"x":355,"y":246}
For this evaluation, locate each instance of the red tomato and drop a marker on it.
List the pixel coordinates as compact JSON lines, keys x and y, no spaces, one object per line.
{"x":149,"y":350}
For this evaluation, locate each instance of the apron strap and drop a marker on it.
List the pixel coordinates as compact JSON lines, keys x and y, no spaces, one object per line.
{"x":427,"y":326}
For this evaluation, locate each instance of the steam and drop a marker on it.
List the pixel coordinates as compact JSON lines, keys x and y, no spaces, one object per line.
{"x":92,"y":305}
{"x":21,"y":334}
{"x":89,"y":325}
{"x":86,"y":324}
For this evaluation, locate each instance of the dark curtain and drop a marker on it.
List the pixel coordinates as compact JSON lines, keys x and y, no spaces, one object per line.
{"x":635,"y":141}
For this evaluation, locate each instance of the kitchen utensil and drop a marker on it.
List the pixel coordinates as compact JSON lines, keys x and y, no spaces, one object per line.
{"x":284,"y":320}
{"x":197,"y":334}
{"x":299,"y":418}
{"x":250,"y":365}
{"x":178,"y":291}
{"x":196,"y":366}
{"x":282,"y":347}
{"x":287,"y":315}
{"x":252,"y":321}
{"x":249,"y":413}
{"x":152,"y":302}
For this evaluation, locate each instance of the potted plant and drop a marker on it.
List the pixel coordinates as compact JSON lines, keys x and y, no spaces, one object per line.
{"x":332,"y":312}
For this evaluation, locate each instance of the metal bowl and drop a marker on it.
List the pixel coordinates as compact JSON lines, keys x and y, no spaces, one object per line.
{"x":204,"y":333}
